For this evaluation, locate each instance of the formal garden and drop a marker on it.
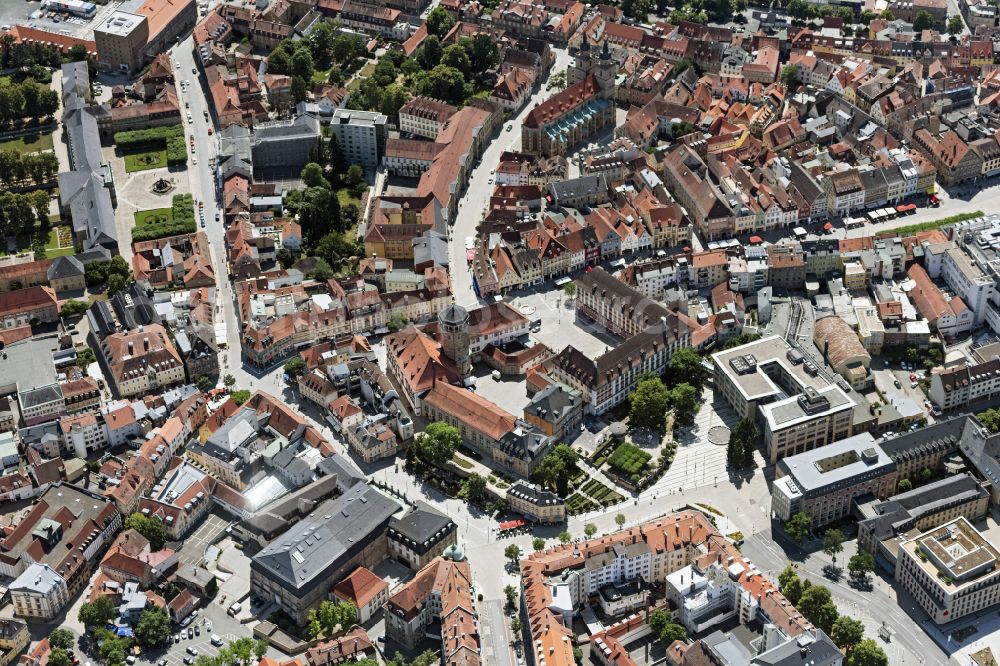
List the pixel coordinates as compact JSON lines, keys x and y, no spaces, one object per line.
{"x":151,"y":159}
{"x":163,"y":222}
{"x":152,"y":148}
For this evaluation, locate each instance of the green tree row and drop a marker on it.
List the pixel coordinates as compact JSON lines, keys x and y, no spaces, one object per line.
{"x":33,"y":168}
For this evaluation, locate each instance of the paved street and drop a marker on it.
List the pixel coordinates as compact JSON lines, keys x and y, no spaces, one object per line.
{"x":477,"y":195}
{"x":495,"y":634}
{"x":909,"y":644}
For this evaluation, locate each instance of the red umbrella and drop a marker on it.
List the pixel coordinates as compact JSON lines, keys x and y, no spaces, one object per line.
{"x":828,"y":226}
{"x":756,"y":240}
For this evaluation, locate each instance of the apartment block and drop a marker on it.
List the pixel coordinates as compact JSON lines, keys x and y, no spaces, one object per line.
{"x":361,"y":135}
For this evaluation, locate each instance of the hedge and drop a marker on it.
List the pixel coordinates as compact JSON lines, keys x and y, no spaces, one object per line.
{"x":629,"y":458}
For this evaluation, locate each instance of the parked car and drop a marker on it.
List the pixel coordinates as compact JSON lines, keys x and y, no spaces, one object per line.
{"x":190,"y":632}
{"x":188,"y":661}
{"x":193,"y":651}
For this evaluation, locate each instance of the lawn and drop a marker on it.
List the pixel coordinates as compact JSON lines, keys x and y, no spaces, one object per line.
{"x":346,"y":196}
{"x":156,"y":216}
{"x":36,"y":143}
{"x":152,"y":159}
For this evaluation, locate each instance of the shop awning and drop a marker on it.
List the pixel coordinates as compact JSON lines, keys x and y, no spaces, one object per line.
{"x":756,"y":240}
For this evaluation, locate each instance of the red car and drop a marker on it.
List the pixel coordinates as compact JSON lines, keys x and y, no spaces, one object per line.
{"x":210,"y":131}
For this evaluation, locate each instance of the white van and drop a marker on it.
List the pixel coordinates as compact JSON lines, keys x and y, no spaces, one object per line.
{"x":496,"y":375}
{"x":235,"y":608}
{"x":216,"y":640}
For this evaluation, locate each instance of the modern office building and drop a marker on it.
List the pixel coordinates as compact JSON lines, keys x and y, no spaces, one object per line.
{"x":950,"y":570}
{"x":361,"y":135}
{"x":799,"y":408}
{"x":823,"y":483}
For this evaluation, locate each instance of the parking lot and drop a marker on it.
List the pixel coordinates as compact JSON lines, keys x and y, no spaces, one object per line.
{"x":193,"y":550}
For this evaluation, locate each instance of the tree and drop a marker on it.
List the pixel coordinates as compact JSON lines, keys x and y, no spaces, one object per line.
{"x":741,"y":339}
{"x":887,"y":15}
{"x":745,"y":435}
{"x":151,"y":528}
{"x":302,"y":64}
{"x":798,"y":526}
{"x":794,"y":589}
{"x":437,"y":443}
{"x":429,"y":53}
{"x":904,"y":485}
{"x":590,"y":529}
{"x":833,"y":543}
{"x":473,"y":488}
{"x":620,"y":520}
{"x":116,"y":283}
{"x":686,"y":365}
{"x":229,"y":381}
{"x":455,"y":56}
{"x":98,"y":613}
{"x":565,"y":537}
{"x":847,"y":632}
{"x":955,"y":25}
{"x":354,"y":177}
{"x":648,"y":404}
{"x":295,"y":367}
{"x":538,"y":543}
{"x":211,"y":587}
{"x":62,"y":639}
{"x":816,"y":605}
{"x":312,"y":176}
{"x":239,"y":397}
{"x":444,"y":82}
{"x":483,"y":52}
{"x":557,"y":467}
{"x":439,"y":21}
{"x":867,"y":653}
{"x":73,"y":308}
{"x":203,"y":382}
{"x":787,"y":575}
{"x":681,"y":128}
{"x":515,"y":628}
{"x":790,"y":76}
{"x":397,"y":321}
{"x":330,"y":616}
{"x":923,"y":21}
{"x":59,"y":657}
{"x":684,"y":400}
{"x":558,"y":80}
{"x":569,"y":289}
{"x":860,"y":565}
{"x":672,"y":632}
{"x":393,"y":97}
{"x":512,"y":552}
{"x":153,"y":628}
{"x":322,"y":271}
{"x":510,"y":594}
{"x":84,"y":357}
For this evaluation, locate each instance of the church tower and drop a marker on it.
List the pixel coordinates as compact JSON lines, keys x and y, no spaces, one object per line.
{"x":453,"y":334}
{"x":582,"y":63}
{"x":605,"y":71}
